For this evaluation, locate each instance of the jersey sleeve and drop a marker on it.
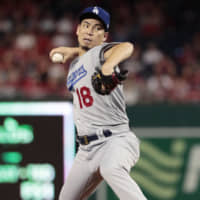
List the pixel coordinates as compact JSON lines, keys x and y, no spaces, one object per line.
{"x":104,"y":49}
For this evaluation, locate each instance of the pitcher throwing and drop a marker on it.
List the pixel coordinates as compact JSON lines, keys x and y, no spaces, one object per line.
{"x":108,"y":149}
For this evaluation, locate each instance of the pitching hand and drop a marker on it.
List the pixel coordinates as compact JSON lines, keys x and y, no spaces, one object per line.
{"x":67,"y":52}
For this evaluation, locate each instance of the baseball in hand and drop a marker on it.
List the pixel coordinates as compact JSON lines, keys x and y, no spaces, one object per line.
{"x":57,"y":57}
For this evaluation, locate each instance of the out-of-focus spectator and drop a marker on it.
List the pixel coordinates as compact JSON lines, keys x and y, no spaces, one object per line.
{"x":65,"y":24}
{"x":180,"y":91}
{"x":47,"y":23}
{"x":25,"y":41}
{"x":134,"y":64}
{"x":150,"y":17}
{"x":165,"y":66}
{"x":151,"y":56}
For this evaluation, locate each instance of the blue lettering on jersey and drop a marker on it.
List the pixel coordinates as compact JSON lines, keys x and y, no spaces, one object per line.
{"x":75,"y":77}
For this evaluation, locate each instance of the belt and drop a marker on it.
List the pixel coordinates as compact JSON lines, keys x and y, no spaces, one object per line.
{"x":86,"y":139}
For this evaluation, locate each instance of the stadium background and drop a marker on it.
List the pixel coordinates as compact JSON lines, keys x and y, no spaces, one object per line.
{"x":162,"y":91}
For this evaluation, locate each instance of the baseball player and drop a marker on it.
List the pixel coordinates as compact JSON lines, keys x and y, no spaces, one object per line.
{"x":108,"y":149}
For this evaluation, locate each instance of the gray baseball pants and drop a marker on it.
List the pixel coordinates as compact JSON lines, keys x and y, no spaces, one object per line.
{"x":110,"y":159}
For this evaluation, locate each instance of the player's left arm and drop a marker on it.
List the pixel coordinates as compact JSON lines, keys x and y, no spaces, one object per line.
{"x":116,"y":55}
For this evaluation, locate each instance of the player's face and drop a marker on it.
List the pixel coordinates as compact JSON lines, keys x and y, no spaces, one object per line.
{"x":91,"y":33}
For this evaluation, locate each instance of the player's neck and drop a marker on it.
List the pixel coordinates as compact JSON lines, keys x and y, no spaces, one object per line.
{"x":82,"y":50}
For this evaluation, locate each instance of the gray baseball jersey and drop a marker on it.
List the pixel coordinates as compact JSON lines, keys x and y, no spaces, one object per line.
{"x":91,"y":110}
{"x":100,"y":160}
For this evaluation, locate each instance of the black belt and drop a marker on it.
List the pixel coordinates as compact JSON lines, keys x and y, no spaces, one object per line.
{"x":86,"y":139}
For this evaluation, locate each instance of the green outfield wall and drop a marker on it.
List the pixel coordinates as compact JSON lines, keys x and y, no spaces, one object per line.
{"x":169,"y":166}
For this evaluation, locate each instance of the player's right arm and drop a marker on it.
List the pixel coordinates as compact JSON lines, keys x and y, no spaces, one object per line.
{"x":67,"y":52}
{"x":116,"y":55}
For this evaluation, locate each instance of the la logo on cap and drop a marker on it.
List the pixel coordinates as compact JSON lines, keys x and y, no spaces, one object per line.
{"x":95,"y":10}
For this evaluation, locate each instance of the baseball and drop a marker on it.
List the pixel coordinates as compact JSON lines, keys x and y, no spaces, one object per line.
{"x":57,"y":57}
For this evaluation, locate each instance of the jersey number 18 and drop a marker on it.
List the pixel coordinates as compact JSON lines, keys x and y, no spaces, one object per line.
{"x":84,"y":97}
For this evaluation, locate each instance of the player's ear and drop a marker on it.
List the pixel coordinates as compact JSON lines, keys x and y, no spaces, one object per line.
{"x":105,"y":36}
{"x":77,"y":29}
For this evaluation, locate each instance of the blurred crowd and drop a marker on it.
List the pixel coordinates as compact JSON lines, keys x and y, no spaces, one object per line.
{"x":165,"y":66}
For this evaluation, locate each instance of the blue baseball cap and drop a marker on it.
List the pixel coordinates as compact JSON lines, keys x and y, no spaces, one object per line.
{"x":97,"y":13}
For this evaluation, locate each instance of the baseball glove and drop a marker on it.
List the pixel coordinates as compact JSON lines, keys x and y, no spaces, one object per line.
{"x":105,"y":84}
